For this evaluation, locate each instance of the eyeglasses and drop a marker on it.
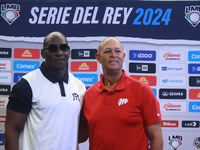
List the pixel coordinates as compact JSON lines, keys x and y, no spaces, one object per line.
{"x":52,"y":48}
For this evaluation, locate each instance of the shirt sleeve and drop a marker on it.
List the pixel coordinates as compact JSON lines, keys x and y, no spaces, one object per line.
{"x":20,"y":99}
{"x":150,"y":107}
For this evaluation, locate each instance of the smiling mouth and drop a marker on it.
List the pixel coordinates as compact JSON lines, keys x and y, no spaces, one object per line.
{"x":113,"y":61}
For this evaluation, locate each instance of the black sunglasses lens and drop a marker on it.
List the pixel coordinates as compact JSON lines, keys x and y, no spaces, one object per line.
{"x":64,"y":47}
{"x":52,"y":48}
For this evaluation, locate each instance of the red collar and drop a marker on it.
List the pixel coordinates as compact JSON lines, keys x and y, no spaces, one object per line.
{"x":119,"y":86}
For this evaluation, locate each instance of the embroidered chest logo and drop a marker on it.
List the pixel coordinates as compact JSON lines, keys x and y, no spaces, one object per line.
{"x":76,"y":97}
{"x":122,"y":101}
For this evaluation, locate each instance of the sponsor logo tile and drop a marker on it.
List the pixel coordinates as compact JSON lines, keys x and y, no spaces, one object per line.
{"x":194,"y":81}
{"x":5,"y":65}
{"x":2,"y":119}
{"x":5,"y":77}
{"x":169,"y":123}
{"x":83,"y":53}
{"x":25,"y":65}
{"x":87,"y":78}
{"x":5,"y":89}
{"x":175,"y":141}
{"x":171,"y":68}
{"x":171,"y":55}
{"x":173,"y":106}
{"x":18,"y":76}
{"x":194,"y":107}
{"x":142,"y":67}
{"x":87,"y":66}
{"x":172,"y":93}
{"x":190,"y":124}
{"x":26,"y":53}
{"x":194,"y":94}
{"x":142,"y":55}
{"x":194,"y":55}
{"x":176,"y":81}
{"x":5,"y":52}
{"x":150,"y":80}
{"x":194,"y":68}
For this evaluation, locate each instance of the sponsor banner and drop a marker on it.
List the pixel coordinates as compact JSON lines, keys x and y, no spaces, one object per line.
{"x":172,"y":81}
{"x":173,"y":106}
{"x":194,"y":81}
{"x":87,"y":78}
{"x":194,"y":107}
{"x":86,"y":66}
{"x":5,"y":77}
{"x":150,"y":80}
{"x":190,"y":124}
{"x":172,"y":68}
{"x":194,"y":55}
{"x":142,"y":67}
{"x":169,"y":123}
{"x":83,"y":53}
{"x":172,"y":93}
{"x":172,"y":56}
{"x":5,"y":65}
{"x":5,"y":89}
{"x":2,"y":119}
{"x":141,"y":55}
{"x":155,"y":20}
{"x":5,"y":52}
{"x":194,"y":94}
{"x":194,"y":68}
{"x":18,"y":76}
{"x":26,"y":53}
{"x":25,"y":65}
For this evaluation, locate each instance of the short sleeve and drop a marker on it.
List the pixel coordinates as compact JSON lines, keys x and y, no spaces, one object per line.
{"x":150,"y":107}
{"x":20,"y":99}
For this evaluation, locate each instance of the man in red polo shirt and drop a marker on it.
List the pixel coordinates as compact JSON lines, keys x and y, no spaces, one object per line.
{"x":121,"y":112}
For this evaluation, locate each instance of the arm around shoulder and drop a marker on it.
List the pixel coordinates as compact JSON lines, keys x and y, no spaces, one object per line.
{"x":13,"y":126}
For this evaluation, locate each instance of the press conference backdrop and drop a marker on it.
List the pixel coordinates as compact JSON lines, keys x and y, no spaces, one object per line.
{"x":161,"y":41}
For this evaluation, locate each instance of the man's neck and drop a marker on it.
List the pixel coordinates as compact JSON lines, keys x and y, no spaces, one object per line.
{"x":111,"y":79}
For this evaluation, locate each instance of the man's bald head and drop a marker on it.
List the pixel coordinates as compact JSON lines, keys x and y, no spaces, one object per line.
{"x":52,"y":35}
{"x":109,"y":39}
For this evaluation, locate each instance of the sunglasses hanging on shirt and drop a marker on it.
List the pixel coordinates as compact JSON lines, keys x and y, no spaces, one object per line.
{"x":52,"y":48}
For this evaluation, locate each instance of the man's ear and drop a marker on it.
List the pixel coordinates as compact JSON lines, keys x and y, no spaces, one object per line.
{"x":42,"y":53}
{"x":97,"y":57}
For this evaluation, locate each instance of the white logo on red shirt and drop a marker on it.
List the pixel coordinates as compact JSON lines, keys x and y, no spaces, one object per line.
{"x":122,"y":101}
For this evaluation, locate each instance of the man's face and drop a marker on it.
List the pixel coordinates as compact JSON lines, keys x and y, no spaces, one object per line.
{"x":57,"y":60}
{"x":111,"y":55}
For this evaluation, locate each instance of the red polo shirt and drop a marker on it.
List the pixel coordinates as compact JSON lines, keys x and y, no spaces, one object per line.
{"x":117,"y":119}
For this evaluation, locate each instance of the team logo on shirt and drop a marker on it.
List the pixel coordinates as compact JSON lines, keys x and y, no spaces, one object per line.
{"x":76,"y":97}
{"x":122,"y":101}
